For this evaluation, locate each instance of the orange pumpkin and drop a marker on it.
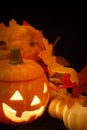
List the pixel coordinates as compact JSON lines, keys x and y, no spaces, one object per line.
{"x":4,"y":52}
{"x":24,"y":93}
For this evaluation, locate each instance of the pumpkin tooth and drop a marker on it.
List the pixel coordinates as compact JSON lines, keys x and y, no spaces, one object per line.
{"x":19,"y":113}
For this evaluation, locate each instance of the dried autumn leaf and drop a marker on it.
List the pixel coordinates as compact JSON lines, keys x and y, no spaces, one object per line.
{"x":82,"y":75}
{"x":5,"y":31}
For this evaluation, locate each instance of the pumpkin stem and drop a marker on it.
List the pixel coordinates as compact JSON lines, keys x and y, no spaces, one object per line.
{"x":15,"y":57}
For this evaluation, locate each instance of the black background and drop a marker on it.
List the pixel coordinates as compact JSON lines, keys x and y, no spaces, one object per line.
{"x":65,"y":20}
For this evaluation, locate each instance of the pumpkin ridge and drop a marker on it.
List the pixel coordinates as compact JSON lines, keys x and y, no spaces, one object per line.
{"x":28,"y":70}
{"x":5,"y":81}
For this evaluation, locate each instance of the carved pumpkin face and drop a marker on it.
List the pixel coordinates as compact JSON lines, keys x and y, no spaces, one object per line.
{"x":23,"y":91}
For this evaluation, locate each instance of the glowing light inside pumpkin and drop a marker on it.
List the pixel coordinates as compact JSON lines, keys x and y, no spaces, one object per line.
{"x":16,"y":96}
{"x":26,"y":115}
{"x":13,"y":111}
{"x":45,"y":88}
{"x":35,"y":101}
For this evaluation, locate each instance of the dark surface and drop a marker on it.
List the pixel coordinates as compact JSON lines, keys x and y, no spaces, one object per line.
{"x":65,"y":20}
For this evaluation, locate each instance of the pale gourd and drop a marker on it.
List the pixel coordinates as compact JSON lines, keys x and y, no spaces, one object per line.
{"x":58,"y":103}
{"x":75,"y":118}
{"x":56,"y":106}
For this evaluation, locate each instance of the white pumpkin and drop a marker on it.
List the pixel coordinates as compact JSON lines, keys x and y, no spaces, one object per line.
{"x":75,"y":118}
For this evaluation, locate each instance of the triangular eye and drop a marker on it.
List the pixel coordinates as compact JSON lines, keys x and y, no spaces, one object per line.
{"x":16,"y":96}
{"x":35,"y":101}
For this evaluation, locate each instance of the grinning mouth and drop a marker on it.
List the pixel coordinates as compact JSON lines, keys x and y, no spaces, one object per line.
{"x":25,"y":116}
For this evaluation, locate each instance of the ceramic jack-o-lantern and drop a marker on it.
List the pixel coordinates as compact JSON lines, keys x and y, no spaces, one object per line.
{"x":24,"y":93}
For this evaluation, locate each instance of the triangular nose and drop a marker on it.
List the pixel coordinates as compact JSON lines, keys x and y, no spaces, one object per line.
{"x":16,"y":96}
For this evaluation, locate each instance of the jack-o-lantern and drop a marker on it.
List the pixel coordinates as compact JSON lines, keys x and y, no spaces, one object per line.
{"x":24,"y":93}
